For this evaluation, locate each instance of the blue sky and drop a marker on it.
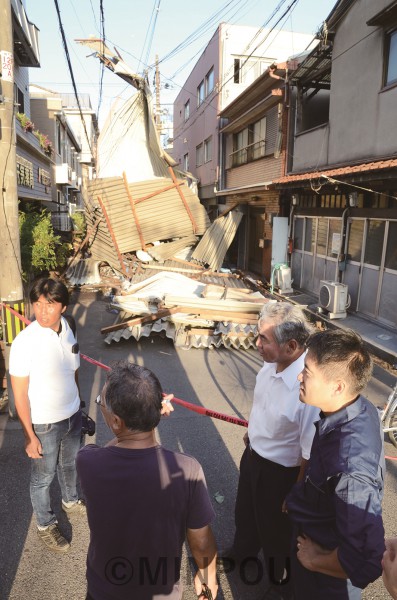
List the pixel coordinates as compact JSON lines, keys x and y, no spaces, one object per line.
{"x":132,"y":24}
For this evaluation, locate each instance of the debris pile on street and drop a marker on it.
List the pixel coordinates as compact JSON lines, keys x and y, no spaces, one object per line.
{"x":193,"y":312}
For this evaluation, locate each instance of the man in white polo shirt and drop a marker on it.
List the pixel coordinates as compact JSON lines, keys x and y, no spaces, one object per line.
{"x":44,"y":359}
{"x":278,"y":442}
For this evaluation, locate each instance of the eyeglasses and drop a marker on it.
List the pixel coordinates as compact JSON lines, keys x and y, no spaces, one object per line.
{"x":98,"y":400}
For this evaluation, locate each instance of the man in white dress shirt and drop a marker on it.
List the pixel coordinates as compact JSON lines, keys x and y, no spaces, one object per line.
{"x":278,"y":442}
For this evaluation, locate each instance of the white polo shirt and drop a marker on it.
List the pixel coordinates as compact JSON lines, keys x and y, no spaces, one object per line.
{"x":47,"y":359}
{"x":280,"y":427}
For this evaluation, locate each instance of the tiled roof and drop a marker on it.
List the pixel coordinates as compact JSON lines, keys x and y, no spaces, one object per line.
{"x":348,"y":170}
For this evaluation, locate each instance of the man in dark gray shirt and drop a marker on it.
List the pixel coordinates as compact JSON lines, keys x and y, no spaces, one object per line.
{"x":142,"y":500}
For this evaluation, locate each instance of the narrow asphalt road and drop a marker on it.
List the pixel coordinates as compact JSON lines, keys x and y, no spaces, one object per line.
{"x":222,"y":380}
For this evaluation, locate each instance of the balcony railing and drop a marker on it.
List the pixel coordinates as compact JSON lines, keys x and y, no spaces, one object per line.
{"x":241,"y":156}
{"x":61,"y":222}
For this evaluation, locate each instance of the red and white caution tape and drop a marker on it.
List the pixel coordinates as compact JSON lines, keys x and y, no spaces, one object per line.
{"x":193,"y":407}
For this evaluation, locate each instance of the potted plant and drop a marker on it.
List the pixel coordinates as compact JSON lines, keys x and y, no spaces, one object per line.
{"x":44,"y":142}
{"x":25,"y":122}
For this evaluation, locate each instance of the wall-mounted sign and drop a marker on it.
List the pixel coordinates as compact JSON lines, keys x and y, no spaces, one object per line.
{"x":24,"y":172}
{"x":44,"y":177}
{"x":336,"y":242}
{"x":7,"y":66}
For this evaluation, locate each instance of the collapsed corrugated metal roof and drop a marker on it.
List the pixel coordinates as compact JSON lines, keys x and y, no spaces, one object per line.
{"x":83,"y":270}
{"x":167,"y":250}
{"x":212,"y":248}
{"x":140,"y":213}
{"x":129,"y":140}
{"x":196,"y":333}
{"x":138,"y":200}
{"x":197,"y":314}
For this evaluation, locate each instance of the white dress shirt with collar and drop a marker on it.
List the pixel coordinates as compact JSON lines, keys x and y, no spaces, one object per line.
{"x":281,"y":427}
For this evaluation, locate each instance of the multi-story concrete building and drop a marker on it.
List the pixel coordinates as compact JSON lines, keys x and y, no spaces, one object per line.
{"x":342,"y":173}
{"x":73,"y":135}
{"x":33,"y":155}
{"x":52,"y":151}
{"x":235,"y":56}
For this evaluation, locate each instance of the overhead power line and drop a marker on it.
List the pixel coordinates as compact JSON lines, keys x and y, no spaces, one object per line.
{"x":66,"y":49}
{"x":103,"y":38}
{"x":150,"y":33}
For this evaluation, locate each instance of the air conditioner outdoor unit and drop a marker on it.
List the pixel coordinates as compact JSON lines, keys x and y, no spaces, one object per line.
{"x":334,"y":297}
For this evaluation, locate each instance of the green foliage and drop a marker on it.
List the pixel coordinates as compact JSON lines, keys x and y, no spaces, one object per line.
{"x":41,"y":249}
{"x":79,"y":223}
{"x":63,"y":252}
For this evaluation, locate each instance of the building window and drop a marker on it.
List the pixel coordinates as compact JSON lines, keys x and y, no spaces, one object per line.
{"x":199,"y":155}
{"x":249,"y":144}
{"x":186,"y":162}
{"x":59,"y":137}
{"x":209,"y":82}
{"x":240,"y":144}
{"x":19,"y":99}
{"x":374,"y":242}
{"x":246,"y":70}
{"x":187,"y":110}
{"x":236,"y":77}
{"x":208,"y":149}
{"x":355,"y":240}
{"x":258,"y":136}
{"x":391,"y":254}
{"x":391,"y":55}
{"x":200,"y":93}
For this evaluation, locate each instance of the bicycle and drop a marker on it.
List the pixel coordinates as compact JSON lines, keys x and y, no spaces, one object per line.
{"x":388,"y":416}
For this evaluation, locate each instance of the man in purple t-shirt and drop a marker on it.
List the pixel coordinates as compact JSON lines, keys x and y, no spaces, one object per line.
{"x":142,"y":500}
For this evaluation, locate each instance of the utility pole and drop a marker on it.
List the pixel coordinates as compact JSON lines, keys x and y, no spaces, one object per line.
{"x":11,"y":290}
{"x":158,"y":113}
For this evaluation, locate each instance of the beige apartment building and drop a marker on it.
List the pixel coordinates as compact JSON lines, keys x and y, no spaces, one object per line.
{"x":234,"y":58}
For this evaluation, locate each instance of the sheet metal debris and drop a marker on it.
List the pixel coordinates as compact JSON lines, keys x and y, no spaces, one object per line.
{"x":212,"y":248}
{"x":194,"y":321}
{"x":138,"y":214}
{"x":84,"y":271}
{"x":141,"y":198}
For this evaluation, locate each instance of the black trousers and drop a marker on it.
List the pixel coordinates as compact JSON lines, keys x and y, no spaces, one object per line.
{"x":260,"y":522}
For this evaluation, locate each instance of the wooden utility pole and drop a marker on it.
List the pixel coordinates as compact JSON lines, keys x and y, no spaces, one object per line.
{"x":10,"y":252}
{"x":158,"y":110}
{"x":11,"y":290}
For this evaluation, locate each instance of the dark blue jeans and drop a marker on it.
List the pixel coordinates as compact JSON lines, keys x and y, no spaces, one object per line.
{"x":60,"y":442}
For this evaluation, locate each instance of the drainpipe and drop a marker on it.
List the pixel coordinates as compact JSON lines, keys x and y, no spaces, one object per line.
{"x":342,"y":255}
{"x":290,"y":242}
{"x":221,"y":161}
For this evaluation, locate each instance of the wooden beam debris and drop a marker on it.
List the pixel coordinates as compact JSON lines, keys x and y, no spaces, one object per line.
{"x":218,"y":315}
{"x":220,"y":292}
{"x":170,"y":269}
{"x":141,"y":320}
{"x":210,"y":315}
{"x":221,"y":306}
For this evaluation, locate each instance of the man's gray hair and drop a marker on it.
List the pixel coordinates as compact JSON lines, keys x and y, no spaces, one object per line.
{"x":289,"y":321}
